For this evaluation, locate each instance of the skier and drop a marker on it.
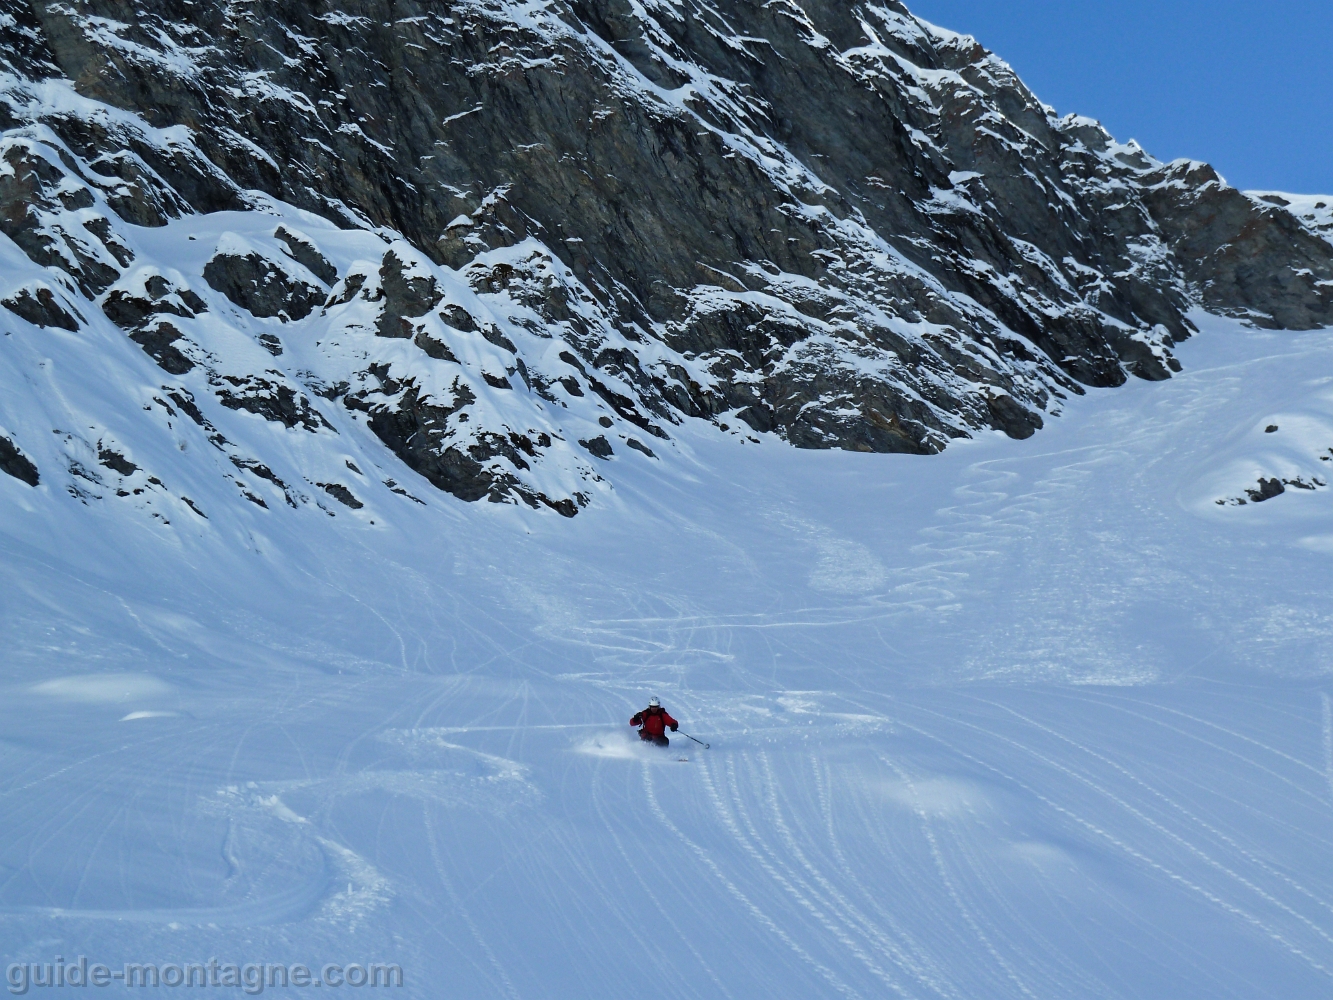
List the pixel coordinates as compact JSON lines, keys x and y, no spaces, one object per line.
{"x":654,"y":720}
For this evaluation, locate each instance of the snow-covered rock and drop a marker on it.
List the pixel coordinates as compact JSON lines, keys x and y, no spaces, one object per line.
{"x":518,"y":243}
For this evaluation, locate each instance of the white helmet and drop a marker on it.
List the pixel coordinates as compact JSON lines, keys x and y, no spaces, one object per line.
{"x":654,"y":703}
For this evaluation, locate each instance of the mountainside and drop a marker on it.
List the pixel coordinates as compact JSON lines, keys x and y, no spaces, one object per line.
{"x":285,"y":284}
{"x":516,"y":243}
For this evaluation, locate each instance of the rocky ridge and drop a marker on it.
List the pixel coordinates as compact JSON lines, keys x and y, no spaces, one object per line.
{"x":514,"y":243}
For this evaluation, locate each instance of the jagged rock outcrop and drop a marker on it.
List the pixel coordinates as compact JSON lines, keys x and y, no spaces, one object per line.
{"x":14,"y":463}
{"x":259,"y":284}
{"x":508,"y":238}
{"x":1241,"y":256}
{"x":140,"y":306}
{"x":40,"y":306}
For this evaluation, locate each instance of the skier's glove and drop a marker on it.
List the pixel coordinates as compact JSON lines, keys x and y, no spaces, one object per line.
{"x":674,"y":728}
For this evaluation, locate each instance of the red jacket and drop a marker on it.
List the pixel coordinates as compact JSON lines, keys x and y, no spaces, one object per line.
{"x":654,"y":721}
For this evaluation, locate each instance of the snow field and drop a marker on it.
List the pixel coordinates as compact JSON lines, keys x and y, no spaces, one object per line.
{"x":1027,"y":719}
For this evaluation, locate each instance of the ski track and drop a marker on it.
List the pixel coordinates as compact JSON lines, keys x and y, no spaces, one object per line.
{"x":1212,"y":897}
{"x":828,"y":907}
{"x":952,"y":888}
{"x":837,"y":904}
{"x":826,"y":973}
{"x":1247,"y":855}
{"x":647,"y":889}
{"x":460,"y":907}
{"x":910,"y":956}
{"x":1328,"y":739}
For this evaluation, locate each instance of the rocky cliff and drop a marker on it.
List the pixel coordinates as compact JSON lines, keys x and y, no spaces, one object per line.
{"x":517,"y":241}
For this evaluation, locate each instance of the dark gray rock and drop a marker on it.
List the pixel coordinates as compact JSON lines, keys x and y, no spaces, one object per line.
{"x":407,"y":296}
{"x":14,"y":463}
{"x":261,"y":287}
{"x":269,"y":399}
{"x":34,"y":192}
{"x":40,"y":307}
{"x":1268,"y":489}
{"x":185,"y":401}
{"x":599,"y":446}
{"x":421,"y":431}
{"x":132,"y":191}
{"x":261,"y":470}
{"x":101,"y":228}
{"x":115,"y":461}
{"x":1008,"y":416}
{"x":305,"y":252}
{"x":1244,"y":258}
{"x":142,"y":316}
{"x":640,"y":446}
{"x":130,"y":311}
{"x":342,"y":494}
{"x":646,"y":199}
{"x":434,"y":347}
{"x":159,"y":342}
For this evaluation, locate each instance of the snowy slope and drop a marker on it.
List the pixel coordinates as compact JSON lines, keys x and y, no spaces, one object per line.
{"x":1027,"y":719}
{"x":283,"y":285}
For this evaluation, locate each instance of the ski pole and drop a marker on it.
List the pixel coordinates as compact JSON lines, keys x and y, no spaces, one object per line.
{"x":700,"y":742}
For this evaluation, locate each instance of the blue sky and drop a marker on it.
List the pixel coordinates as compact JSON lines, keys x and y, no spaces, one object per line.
{"x":1246,"y":86}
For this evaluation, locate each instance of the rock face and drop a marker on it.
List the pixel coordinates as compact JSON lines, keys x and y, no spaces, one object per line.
{"x":508,"y":236}
{"x":1228,"y":245}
